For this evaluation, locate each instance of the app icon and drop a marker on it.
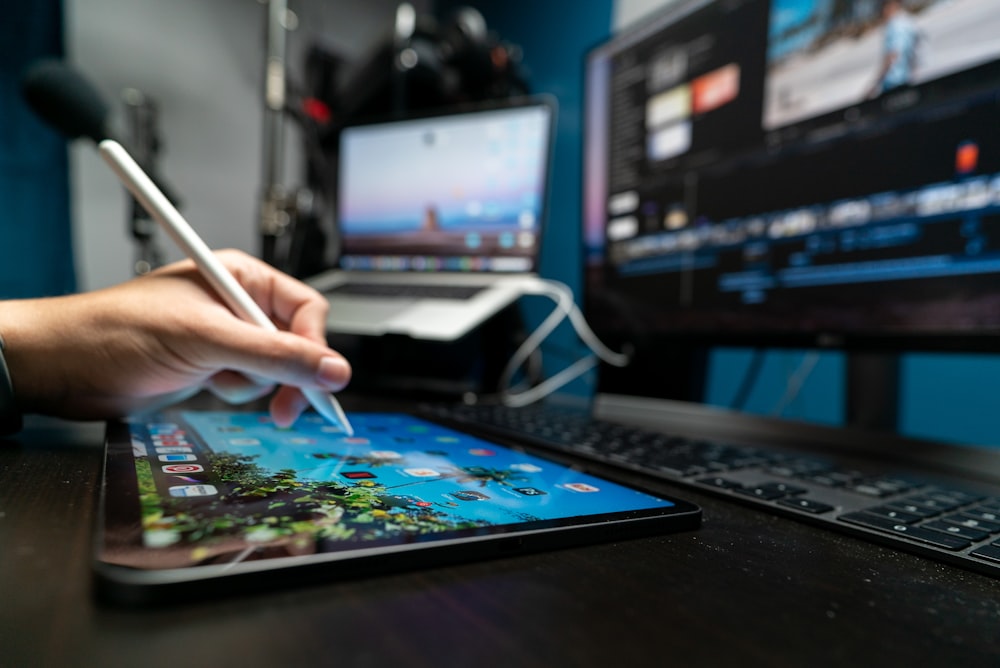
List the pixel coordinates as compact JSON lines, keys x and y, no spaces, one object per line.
{"x":469,"y":495}
{"x":161,"y":427}
{"x":193,"y":490}
{"x":177,"y":458}
{"x":358,"y":475}
{"x":384,"y":454}
{"x":526,"y":468}
{"x":183,"y":468}
{"x":529,"y":491}
{"x":422,"y":473}
{"x":244,"y":441}
{"x":299,"y":440}
{"x":172,"y":450}
{"x":169,"y":441}
{"x":186,"y":478}
{"x":482,"y":452}
{"x":357,"y":441}
{"x":966,"y":157}
{"x":581,"y":487}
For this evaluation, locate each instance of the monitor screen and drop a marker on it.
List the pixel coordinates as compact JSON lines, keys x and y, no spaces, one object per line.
{"x":797,"y":172}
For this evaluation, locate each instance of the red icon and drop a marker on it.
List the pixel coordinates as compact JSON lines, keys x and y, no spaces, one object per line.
{"x":966,"y":157}
{"x":183,"y":468}
{"x":581,"y":487}
{"x":357,"y":475}
{"x":422,"y":473}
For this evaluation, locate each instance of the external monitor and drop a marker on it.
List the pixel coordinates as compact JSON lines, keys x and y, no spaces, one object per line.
{"x":796,"y":173}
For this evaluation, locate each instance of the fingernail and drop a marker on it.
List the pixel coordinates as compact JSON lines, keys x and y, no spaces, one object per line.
{"x":333,"y":373}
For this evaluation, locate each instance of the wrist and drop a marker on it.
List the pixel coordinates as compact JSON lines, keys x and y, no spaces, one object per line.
{"x":28,"y":358}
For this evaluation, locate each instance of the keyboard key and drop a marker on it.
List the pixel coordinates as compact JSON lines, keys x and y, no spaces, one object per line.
{"x":935,"y":538}
{"x":764,"y":493}
{"x":974,"y":535}
{"x":896,"y":515}
{"x":784,"y":488}
{"x":913,"y":509}
{"x":991,"y":552}
{"x":973,"y":523}
{"x":882,"y":487}
{"x":941,"y":503}
{"x":959,"y":496}
{"x":992,"y":504}
{"x":720,"y":483}
{"x":826,"y":479}
{"x":871,"y":490}
{"x":896,"y":485}
{"x":980,"y":514}
{"x":807,"y":505}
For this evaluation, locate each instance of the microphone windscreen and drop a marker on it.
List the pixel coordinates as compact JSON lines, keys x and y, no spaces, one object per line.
{"x":66,"y":100}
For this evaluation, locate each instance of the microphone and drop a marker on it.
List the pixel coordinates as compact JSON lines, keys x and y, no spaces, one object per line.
{"x":66,"y":100}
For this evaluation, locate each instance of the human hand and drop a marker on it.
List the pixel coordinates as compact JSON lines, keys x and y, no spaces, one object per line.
{"x":165,"y":336}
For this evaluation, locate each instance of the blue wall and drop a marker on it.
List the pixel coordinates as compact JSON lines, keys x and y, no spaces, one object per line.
{"x":554,"y":36}
{"x":948,"y":397}
{"x":35,"y":242}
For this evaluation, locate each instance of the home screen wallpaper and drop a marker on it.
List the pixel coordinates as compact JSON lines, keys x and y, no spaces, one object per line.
{"x":220,"y":487}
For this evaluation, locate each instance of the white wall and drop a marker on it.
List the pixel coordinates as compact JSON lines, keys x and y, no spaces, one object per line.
{"x":202,"y":61}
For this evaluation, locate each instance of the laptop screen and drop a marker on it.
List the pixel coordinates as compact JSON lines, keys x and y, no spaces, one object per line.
{"x":462,"y":191}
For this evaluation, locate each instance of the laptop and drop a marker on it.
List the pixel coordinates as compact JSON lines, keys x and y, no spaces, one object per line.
{"x":440,"y":218}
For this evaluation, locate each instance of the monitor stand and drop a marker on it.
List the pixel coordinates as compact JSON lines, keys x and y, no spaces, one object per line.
{"x":677,"y":372}
{"x":872,"y":389}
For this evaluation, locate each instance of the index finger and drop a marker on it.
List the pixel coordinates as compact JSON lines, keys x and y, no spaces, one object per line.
{"x":295,"y":306}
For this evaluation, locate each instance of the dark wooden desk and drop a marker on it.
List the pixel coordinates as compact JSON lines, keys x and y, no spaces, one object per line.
{"x":747,"y":589}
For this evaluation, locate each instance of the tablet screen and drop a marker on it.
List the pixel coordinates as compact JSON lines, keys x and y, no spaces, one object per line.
{"x":222,"y":487}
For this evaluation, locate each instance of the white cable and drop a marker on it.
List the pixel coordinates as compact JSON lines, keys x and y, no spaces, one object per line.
{"x":565,"y":307}
{"x":550,"y":385}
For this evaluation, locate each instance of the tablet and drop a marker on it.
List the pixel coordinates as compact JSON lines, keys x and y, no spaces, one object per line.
{"x":203,"y":503}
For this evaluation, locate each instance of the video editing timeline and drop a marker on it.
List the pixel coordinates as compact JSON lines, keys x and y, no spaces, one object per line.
{"x":756,"y":166}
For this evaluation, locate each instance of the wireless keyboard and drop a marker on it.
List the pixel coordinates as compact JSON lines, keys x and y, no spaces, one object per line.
{"x":951,"y":522}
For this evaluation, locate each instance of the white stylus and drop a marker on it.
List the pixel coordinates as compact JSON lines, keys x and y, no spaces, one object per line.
{"x":160,"y":208}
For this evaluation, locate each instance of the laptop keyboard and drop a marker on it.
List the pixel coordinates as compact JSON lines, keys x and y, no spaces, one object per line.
{"x":409,"y":291}
{"x":918,"y":514}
